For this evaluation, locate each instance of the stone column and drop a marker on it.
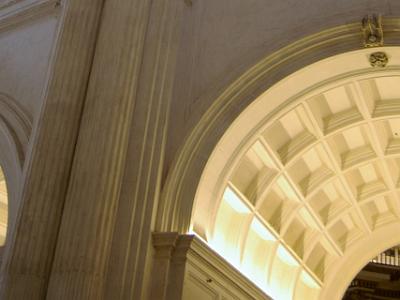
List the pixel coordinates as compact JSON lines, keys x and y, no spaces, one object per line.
{"x":30,"y":250}
{"x":119,"y":76}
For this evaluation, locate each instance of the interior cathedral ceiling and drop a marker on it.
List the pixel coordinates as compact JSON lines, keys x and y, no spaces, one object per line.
{"x":318,"y":174}
{"x":315,"y":179}
{"x":322,"y":176}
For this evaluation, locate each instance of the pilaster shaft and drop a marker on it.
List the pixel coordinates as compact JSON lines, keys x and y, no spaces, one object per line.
{"x":164,"y":245}
{"x":185,"y":267}
{"x":85,"y":236}
{"x":28,"y":257}
{"x":169,"y":265}
{"x":131,"y":248}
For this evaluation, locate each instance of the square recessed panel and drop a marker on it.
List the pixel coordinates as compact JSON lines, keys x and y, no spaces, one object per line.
{"x":335,"y":109}
{"x":388,"y":87}
{"x":300,"y":231}
{"x":346,"y":230}
{"x":316,"y":260}
{"x":367,"y":181}
{"x":393,"y":167}
{"x":384,"y":95}
{"x":311,"y":170}
{"x":291,"y":134}
{"x":278,"y":204}
{"x":254,"y":173}
{"x":352,"y":146}
{"x":388,"y":133}
{"x":380,"y":210}
{"x":329,"y":202}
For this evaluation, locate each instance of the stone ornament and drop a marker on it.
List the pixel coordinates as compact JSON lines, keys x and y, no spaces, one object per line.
{"x":378,"y":59}
{"x":372,"y":31}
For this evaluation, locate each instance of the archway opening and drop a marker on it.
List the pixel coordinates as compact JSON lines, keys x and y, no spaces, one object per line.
{"x":3,"y":209}
{"x":379,"y":279}
{"x":307,"y":176}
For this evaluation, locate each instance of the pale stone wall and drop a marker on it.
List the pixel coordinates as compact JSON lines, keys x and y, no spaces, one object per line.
{"x":25,"y":55}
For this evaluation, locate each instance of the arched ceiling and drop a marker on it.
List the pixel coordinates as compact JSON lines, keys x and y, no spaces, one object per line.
{"x":311,"y":180}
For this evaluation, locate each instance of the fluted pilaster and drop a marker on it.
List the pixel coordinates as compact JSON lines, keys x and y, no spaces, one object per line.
{"x":85,"y":236}
{"x":131,"y":252}
{"x":31,"y":248}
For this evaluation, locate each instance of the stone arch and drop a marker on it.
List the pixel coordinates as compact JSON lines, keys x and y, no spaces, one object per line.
{"x":182,"y":184}
{"x":15,"y":130}
{"x":182,"y":179}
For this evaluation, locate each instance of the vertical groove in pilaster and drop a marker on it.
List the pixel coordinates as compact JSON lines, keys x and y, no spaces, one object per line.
{"x":141,"y":182}
{"x":85,"y":236}
{"x":29,"y":258}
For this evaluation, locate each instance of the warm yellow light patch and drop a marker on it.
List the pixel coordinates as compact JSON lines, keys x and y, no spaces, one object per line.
{"x":286,"y":257}
{"x":262,"y":231}
{"x":308,"y":280}
{"x":3,"y":208}
{"x":234,"y":201}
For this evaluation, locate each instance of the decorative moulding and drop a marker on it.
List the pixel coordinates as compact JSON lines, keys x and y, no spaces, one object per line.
{"x":5,"y":3}
{"x":14,"y":120}
{"x":13,"y":13}
{"x":202,"y":256}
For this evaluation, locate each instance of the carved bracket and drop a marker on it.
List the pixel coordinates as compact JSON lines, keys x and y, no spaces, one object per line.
{"x":372,"y":31}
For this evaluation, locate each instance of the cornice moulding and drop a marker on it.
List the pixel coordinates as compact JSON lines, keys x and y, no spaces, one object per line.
{"x":190,"y":249}
{"x":201,"y":255}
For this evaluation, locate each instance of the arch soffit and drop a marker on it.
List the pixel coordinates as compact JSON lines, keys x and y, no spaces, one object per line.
{"x":232,"y":148}
{"x":17,"y":124}
{"x":175,"y":208}
{"x":15,"y":131}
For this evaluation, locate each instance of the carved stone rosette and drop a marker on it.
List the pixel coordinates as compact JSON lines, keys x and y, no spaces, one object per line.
{"x":378,"y":59}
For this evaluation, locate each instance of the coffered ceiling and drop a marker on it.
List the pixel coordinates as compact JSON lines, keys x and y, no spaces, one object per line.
{"x":317,"y":179}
